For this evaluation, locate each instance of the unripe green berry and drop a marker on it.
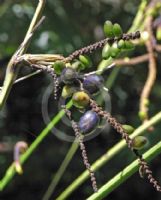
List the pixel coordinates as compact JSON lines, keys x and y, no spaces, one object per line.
{"x":139,"y":142}
{"x":117,"y":30}
{"x":129,"y":45}
{"x":78,"y":65}
{"x":67,"y":91}
{"x":121,"y":44}
{"x":106,"y":51}
{"x":80,"y":99}
{"x":85,"y":60}
{"x":146,"y":102}
{"x":142,"y":115}
{"x":108,"y":29}
{"x":114,"y":50}
{"x":58,"y":67}
{"x":158,"y":33}
{"x":128,"y":129}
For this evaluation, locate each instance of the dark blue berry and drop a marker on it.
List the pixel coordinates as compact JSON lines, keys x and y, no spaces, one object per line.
{"x":93,"y":83}
{"x":68,"y":75}
{"x":88,"y":122}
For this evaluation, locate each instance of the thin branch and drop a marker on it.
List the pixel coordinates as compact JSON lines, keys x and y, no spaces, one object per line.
{"x":27,"y":76}
{"x":132,"y":61}
{"x":151,"y":73}
{"x":158,"y":48}
{"x":63,"y":167}
{"x":11,"y":71}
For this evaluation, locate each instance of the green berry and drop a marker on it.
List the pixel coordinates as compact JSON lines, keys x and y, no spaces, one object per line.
{"x":129,"y":129}
{"x":142,"y":115}
{"x":78,"y":66}
{"x":139,"y":142}
{"x":58,"y":67}
{"x":146,"y":102}
{"x":121,"y":44}
{"x":85,"y":60}
{"x":106,"y":51}
{"x":114,"y":51}
{"x":117,"y":30}
{"x":67,"y":91}
{"x":158,"y":33}
{"x":108,"y":29}
{"x":80,"y":99}
{"x":129,"y":45}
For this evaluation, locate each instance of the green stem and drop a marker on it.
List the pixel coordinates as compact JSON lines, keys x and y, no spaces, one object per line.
{"x":11,"y":72}
{"x":61,"y":170}
{"x":123,"y":175}
{"x":11,"y":170}
{"x":106,"y":157}
{"x":139,"y":17}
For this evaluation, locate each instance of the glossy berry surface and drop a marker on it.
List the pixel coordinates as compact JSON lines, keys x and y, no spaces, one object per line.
{"x":80,"y":99}
{"x":68,"y":75}
{"x":108,"y":29}
{"x":139,"y":142}
{"x":88,"y":122}
{"x":93,"y":83}
{"x":67,"y":91}
{"x":58,"y":67}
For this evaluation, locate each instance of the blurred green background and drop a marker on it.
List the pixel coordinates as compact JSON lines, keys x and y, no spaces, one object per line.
{"x":69,"y":25}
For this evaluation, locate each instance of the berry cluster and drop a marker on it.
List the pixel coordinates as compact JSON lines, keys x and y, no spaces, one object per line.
{"x":82,"y":89}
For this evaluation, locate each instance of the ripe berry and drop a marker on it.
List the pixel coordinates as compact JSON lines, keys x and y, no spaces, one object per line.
{"x":68,"y":75}
{"x":80,"y":99}
{"x":93,"y":83}
{"x":88,"y":122}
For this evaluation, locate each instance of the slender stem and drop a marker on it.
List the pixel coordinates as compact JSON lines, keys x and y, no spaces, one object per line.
{"x":61,"y":170}
{"x":106,"y":157}
{"x":132,"y":61}
{"x":139,"y":17}
{"x":11,"y":170}
{"x":152,"y":70}
{"x":28,"y":76}
{"x":123,"y":175}
{"x":11,"y":72}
